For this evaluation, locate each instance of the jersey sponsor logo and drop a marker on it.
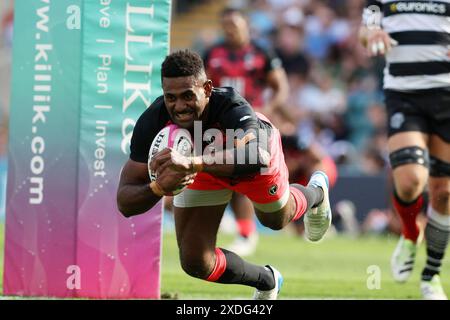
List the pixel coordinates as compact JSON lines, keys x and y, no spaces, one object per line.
{"x":418,"y":7}
{"x":397,"y":120}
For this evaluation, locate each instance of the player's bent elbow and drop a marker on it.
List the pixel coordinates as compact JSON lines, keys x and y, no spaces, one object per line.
{"x":128,"y":212}
{"x":124,"y":210}
{"x":131,"y":208}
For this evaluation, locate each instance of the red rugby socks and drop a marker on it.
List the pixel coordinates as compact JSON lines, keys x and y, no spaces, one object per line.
{"x":305,"y":198}
{"x":408,"y":212}
{"x":230,"y":268}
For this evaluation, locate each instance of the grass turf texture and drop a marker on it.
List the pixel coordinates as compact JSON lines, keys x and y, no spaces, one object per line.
{"x":333,"y":269}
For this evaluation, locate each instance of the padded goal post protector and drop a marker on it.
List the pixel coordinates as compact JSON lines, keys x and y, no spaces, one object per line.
{"x":83,"y":72}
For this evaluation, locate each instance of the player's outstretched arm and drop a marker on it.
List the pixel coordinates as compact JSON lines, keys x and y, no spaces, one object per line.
{"x":134,"y":195}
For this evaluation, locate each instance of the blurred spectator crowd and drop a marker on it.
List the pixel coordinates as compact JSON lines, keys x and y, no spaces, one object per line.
{"x":335,"y":89}
{"x":336,"y":98}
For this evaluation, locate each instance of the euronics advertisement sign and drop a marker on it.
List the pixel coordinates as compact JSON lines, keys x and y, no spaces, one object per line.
{"x":83,"y":72}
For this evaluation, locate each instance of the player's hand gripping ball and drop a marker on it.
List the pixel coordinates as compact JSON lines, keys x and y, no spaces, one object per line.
{"x":174,"y":137}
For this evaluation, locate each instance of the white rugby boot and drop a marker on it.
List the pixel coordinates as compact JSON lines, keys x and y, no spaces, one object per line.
{"x":403,"y":258}
{"x":318,"y":220}
{"x":432,"y":290}
{"x":273,"y":293}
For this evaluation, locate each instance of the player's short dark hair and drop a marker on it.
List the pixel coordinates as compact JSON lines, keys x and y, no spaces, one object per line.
{"x":183,"y":63}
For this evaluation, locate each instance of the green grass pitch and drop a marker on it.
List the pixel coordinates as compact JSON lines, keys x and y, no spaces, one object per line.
{"x":336,"y":268}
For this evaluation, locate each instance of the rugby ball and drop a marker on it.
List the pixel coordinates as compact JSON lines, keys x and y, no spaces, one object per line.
{"x":173,"y":137}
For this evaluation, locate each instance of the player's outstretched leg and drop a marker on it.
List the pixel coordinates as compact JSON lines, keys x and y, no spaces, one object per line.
{"x":229,"y":268}
{"x":271,"y":294}
{"x":318,"y":219}
{"x":196,"y":230}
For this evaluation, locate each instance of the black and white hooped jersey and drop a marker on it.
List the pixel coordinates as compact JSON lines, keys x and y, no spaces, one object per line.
{"x":421,"y":60}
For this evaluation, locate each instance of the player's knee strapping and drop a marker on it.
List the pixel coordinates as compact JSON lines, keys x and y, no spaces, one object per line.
{"x":439,"y":168}
{"x":301,"y":204}
{"x":409,"y":155}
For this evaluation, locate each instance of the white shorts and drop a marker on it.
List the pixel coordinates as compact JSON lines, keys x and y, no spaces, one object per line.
{"x":203,"y":198}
